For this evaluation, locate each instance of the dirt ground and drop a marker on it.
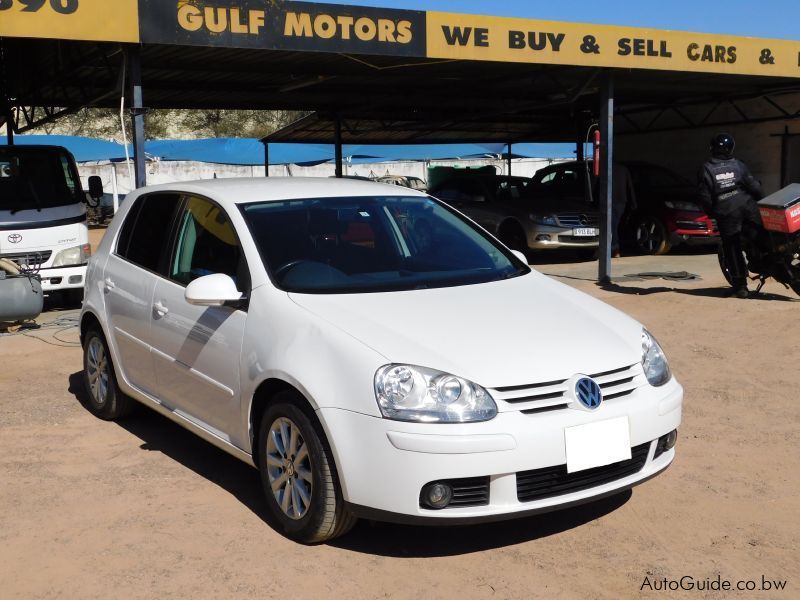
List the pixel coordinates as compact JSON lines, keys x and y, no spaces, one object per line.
{"x":143,"y":509}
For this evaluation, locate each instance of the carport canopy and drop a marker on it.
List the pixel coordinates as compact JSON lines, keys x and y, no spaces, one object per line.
{"x":374,"y":75}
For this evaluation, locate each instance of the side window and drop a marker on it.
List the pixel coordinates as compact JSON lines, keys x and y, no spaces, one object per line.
{"x":207,"y":244}
{"x":68,"y":174}
{"x":571,"y":183}
{"x":549,"y":178}
{"x":145,"y":232}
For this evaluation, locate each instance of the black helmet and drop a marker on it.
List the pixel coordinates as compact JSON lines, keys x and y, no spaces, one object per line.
{"x":723,"y":145}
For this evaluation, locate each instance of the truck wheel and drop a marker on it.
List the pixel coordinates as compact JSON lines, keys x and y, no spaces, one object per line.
{"x":106,"y":400}
{"x":298,"y":475}
{"x":652,"y":236}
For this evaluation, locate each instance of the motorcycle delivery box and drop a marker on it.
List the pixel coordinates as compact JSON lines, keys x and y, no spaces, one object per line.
{"x":781,"y":211}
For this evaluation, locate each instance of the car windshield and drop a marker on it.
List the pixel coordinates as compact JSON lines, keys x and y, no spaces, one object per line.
{"x":373,"y":244}
{"x":37,"y":178}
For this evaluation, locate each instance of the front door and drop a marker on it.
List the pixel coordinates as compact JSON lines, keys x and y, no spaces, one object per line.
{"x":196,"y":350}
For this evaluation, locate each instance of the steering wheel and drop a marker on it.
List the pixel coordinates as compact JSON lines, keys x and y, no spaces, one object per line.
{"x":283,"y":269}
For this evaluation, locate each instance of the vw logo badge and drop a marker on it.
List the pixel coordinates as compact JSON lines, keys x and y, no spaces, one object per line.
{"x":589,"y":393}
{"x":15,"y":238}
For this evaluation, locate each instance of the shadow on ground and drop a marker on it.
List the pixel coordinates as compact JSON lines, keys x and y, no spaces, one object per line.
{"x":159,"y":434}
{"x":715,"y":292}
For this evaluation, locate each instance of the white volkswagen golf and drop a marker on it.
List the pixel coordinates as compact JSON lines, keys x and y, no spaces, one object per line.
{"x":372,"y":352}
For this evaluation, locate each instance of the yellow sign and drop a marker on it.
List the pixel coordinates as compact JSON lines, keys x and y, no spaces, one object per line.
{"x":468,"y":37}
{"x":93,"y":20}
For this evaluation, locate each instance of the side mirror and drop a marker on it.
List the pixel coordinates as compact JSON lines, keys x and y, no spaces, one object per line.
{"x":212,"y":290}
{"x":95,"y":187}
{"x":520,"y":255}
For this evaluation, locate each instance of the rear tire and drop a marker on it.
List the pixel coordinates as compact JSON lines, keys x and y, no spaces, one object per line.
{"x":106,"y":400}
{"x":651,"y":236}
{"x":298,"y":475}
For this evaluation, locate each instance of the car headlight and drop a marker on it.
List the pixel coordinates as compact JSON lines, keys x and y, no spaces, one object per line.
{"x":544,"y":219}
{"x":421,"y":395}
{"x":654,"y":361}
{"x":78,"y":255}
{"x":685,"y":206}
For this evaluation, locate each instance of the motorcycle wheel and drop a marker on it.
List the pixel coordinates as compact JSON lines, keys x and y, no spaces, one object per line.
{"x":723,"y":265}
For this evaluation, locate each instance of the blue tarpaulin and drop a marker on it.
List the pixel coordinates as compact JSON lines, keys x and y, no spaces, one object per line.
{"x":235,"y":151}
{"x":84,"y":149}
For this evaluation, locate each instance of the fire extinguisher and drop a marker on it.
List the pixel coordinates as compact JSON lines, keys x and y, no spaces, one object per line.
{"x":596,"y":153}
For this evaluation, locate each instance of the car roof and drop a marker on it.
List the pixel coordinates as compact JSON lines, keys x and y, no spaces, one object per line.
{"x":246,"y":190}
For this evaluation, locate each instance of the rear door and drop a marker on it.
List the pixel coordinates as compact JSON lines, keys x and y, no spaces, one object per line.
{"x":129,"y":278}
{"x":197,"y":350}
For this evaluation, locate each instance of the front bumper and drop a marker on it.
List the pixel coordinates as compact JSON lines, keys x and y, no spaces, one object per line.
{"x":63,"y":278}
{"x":383,"y":465}
{"x":544,"y":237}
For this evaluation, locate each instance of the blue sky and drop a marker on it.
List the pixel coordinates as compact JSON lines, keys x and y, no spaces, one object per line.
{"x":759,"y":18}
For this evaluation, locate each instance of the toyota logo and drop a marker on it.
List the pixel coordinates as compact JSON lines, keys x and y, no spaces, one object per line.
{"x":15,"y":238}
{"x":589,"y":393}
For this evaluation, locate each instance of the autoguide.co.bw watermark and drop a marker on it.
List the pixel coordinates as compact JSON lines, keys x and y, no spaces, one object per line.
{"x":718,"y":584}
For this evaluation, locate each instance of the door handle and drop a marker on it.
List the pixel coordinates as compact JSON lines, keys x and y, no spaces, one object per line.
{"x":160,"y":309}
{"x":108,"y":285}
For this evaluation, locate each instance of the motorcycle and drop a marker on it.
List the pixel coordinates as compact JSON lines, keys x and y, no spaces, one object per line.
{"x":774,"y":249}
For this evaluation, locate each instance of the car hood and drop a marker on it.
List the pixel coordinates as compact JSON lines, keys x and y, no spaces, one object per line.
{"x":554,"y":205}
{"x":529,"y":329}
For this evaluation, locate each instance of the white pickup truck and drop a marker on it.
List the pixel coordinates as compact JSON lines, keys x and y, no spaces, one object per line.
{"x":43,"y":216}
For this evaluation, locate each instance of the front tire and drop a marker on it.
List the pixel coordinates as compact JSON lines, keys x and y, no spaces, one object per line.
{"x":513,"y":236}
{"x":652,"y":236}
{"x":106,"y":400}
{"x":298,"y":476}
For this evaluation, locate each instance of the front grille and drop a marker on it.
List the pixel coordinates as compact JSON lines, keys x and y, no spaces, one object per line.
{"x":473,"y":491}
{"x":30,"y":259}
{"x":692,"y":225}
{"x":556,"y":481}
{"x":552,"y":395}
{"x":572,"y":239}
{"x":578,"y":220}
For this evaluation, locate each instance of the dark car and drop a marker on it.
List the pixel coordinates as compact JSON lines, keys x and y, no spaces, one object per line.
{"x":666,"y":211}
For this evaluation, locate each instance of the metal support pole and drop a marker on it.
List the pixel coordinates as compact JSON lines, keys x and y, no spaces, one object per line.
{"x":606,"y":175}
{"x":338,"y":143}
{"x":137,"y":115}
{"x":266,"y":158}
{"x":509,"y":159}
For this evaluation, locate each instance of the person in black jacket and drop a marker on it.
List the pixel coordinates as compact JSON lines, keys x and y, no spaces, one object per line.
{"x":729,"y":193}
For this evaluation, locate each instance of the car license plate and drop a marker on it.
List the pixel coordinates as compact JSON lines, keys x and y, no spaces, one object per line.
{"x":597,"y":444}
{"x":586,"y":232}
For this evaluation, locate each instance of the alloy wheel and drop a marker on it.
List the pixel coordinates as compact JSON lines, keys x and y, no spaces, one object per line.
{"x":289,"y":468}
{"x":97,"y":369}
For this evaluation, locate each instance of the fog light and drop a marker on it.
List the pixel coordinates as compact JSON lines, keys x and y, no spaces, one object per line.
{"x":670,"y":440}
{"x":75,"y":279}
{"x":437,"y":495}
{"x":543,"y":238}
{"x":666,"y":443}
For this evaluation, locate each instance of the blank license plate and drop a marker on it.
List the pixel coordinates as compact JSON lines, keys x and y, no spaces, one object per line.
{"x":597,"y":444}
{"x":586,"y":232}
